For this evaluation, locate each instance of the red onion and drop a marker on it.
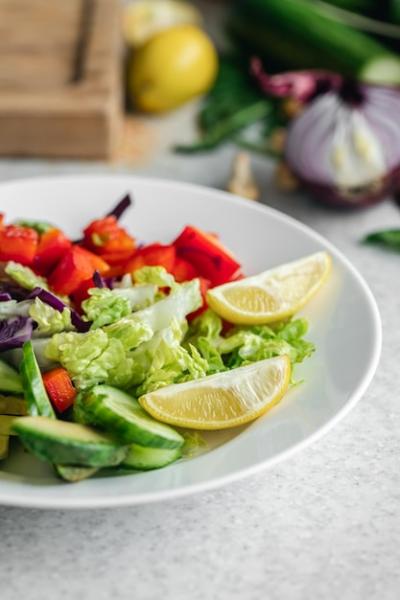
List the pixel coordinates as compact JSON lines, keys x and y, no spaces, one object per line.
{"x":345,"y":144}
{"x":14,"y":332}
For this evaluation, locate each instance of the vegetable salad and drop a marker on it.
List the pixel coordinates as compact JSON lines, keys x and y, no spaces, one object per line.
{"x":88,"y":327}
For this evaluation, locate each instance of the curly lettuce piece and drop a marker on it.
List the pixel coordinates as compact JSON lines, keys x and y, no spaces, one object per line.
{"x":139,"y":296}
{"x":24,"y":276}
{"x":130,"y":333}
{"x":186,"y":298}
{"x":163,"y":360}
{"x":12,"y":308}
{"x":247,"y":344}
{"x":91,"y":358}
{"x":107,"y":355}
{"x":158,"y":276}
{"x":49,"y":319}
{"x":104,"y":307}
{"x":205,"y":334}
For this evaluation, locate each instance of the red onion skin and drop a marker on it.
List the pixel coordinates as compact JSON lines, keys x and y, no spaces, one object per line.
{"x":336,"y":198}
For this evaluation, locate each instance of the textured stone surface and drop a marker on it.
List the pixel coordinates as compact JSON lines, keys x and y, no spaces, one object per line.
{"x":323,"y":525}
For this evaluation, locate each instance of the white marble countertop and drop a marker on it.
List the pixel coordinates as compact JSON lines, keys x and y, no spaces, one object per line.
{"x":324,"y":524}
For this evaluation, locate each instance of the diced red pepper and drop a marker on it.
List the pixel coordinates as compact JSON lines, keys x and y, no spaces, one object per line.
{"x":18,"y":244}
{"x":183,"y":270}
{"x":154,"y":255}
{"x":82,"y":292}
{"x":1,"y":221}
{"x":60,"y":389}
{"x":205,"y":285}
{"x":107,"y":238}
{"x":53,"y":244}
{"x":73,"y":269}
{"x":211,"y":259}
{"x":98,"y":263}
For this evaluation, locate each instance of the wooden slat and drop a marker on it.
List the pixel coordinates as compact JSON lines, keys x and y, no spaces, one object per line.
{"x":64,"y":97}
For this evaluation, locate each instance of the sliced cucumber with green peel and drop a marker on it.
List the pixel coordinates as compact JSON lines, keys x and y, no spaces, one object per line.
{"x":9,"y":405}
{"x":117,"y":412}
{"x":74,"y":474}
{"x":4,"y":440}
{"x":67,"y":443}
{"x":6,"y":423}
{"x":34,"y":390}
{"x":145,"y":459}
{"x":10,"y":381}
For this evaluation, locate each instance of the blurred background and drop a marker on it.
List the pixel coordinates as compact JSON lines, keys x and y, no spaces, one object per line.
{"x":305,"y":91}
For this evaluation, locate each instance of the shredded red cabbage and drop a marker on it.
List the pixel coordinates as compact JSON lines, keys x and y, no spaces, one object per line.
{"x":55,"y":302}
{"x":5,"y":297}
{"x":14,"y":332}
{"x":98,"y":280}
{"x":121,"y":207}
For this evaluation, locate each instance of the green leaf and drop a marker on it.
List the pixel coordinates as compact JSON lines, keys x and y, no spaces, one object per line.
{"x":234,"y":103}
{"x":39,"y":226}
{"x":158,"y":276}
{"x":91,"y":358}
{"x":49,"y":320}
{"x":24,"y":276}
{"x":104,"y":307}
{"x":387,"y":237}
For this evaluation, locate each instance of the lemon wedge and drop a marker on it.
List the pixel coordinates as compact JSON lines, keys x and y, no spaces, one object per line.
{"x":273,"y":295}
{"x":223,"y":400}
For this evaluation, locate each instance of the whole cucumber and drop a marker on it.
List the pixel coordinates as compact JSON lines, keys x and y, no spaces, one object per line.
{"x":297,"y":34}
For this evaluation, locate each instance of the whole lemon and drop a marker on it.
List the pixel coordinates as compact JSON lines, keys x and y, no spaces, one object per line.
{"x":172,"y":67}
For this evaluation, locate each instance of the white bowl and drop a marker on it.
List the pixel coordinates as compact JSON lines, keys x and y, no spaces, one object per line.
{"x":344,"y":325}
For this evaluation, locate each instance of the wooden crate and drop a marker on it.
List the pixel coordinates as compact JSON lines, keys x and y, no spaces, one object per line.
{"x":60,"y":77}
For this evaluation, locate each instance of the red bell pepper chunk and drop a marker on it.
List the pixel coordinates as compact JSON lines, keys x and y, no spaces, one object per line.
{"x":82,"y":292}
{"x":73,"y":269}
{"x":18,"y":244}
{"x":154,"y":255}
{"x":107,"y":238}
{"x":211,"y":259}
{"x":60,"y":389}
{"x":53,"y":244}
{"x":98,"y":263}
{"x":183,"y":270}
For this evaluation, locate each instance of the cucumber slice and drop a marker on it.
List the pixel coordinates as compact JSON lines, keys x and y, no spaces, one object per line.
{"x":67,"y":443}
{"x":4,"y":439}
{"x":74,"y":474}
{"x":10,"y":381}
{"x":6,"y":423}
{"x":117,"y":412}
{"x":12,"y":406}
{"x":145,"y":459}
{"x":34,"y":390}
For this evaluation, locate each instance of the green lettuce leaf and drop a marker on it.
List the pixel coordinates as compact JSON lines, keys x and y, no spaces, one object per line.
{"x":156,"y":275}
{"x":49,"y":320}
{"x":247,"y":344}
{"x":205,"y":335}
{"x":91,"y":358}
{"x":24,"y":276}
{"x":104,"y":307}
{"x":183,"y":300}
{"x":12,"y":308}
{"x":164,"y":361}
{"x":107,"y":355}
